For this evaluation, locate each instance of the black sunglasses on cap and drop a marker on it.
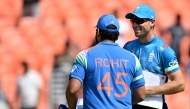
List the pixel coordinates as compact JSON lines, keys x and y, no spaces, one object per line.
{"x":139,"y":20}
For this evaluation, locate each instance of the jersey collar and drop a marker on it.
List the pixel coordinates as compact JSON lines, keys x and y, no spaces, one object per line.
{"x":108,"y":43}
{"x":151,"y":41}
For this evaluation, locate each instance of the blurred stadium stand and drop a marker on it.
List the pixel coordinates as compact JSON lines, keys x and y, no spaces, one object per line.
{"x":37,"y":38}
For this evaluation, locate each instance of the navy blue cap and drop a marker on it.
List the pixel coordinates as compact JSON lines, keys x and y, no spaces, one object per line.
{"x":142,"y":11}
{"x":106,"y":20}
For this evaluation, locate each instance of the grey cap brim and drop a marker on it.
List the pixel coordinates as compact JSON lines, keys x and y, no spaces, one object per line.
{"x":129,"y":15}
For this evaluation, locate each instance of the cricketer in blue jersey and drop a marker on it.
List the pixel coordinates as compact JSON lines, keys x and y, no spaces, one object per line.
{"x":154,"y":55}
{"x":111,"y":76}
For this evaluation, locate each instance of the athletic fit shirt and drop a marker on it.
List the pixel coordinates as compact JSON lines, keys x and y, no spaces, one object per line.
{"x":155,"y":56}
{"x":108,"y":74}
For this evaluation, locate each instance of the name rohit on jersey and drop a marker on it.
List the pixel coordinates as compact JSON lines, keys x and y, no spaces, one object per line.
{"x":119,"y":63}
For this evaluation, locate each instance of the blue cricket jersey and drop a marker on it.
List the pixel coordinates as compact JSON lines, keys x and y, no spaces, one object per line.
{"x":107,"y":72}
{"x":155,"y":56}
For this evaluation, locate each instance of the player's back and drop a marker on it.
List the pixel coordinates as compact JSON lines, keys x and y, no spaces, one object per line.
{"x":108,"y":77}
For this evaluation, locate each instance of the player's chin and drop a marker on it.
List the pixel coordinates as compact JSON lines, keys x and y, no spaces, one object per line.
{"x":137,"y":35}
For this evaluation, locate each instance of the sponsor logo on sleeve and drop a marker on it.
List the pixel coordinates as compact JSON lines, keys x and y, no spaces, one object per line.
{"x":173,"y":62}
{"x":73,"y":68}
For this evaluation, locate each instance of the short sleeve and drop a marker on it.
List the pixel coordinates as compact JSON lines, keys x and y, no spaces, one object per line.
{"x":169,"y":61}
{"x":79,"y":66}
{"x":138,"y":78}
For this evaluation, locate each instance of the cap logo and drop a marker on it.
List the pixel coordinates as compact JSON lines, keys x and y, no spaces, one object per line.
{"x":136,"y":10}
{"x":152,"y":16}
{"x":107,"y":20}
{"x":112,"y":22}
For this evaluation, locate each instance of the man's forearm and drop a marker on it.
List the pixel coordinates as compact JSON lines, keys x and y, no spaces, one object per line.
{"x":168,"y":88}
{"x":71,"y":99}
{"x":138,"y":94}
{"x":135,"y":99}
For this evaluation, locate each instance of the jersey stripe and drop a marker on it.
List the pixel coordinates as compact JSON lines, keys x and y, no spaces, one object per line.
{"x":137,"y":78}
{"x":81,"y":58}
{"x":171,"y":68}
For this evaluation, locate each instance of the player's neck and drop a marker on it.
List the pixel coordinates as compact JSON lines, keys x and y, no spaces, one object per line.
{"x":108,"y":41}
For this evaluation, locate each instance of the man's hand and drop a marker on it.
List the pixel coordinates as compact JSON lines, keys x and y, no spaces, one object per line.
{"x":174,"y":86}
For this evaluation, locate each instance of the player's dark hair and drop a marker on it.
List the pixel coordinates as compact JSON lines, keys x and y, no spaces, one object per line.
{"x":109,"y":35}
{"x":25,"y":66}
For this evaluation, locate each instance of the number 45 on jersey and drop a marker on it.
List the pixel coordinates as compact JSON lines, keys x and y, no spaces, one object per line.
{"x":118,"y":82}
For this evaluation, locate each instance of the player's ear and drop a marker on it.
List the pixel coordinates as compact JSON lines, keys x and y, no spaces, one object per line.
{"x":99,"y":35}
{"x":152,"y":23}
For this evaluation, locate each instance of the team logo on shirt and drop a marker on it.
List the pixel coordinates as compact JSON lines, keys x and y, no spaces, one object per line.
{"x":173,"y":62}
{"x":151,"y":56}
{"x":73,"y":68}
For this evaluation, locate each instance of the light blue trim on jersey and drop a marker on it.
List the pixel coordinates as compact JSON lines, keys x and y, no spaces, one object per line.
{"x":137,"y":78}
{"x":171,"y":68}
{"x":81,"y":58}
